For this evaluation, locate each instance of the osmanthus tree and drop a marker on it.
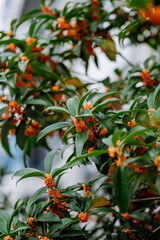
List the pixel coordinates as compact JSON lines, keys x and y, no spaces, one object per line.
{"x":123,"y":201}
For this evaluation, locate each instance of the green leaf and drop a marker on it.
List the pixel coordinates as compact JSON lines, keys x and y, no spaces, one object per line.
{"x":138,"y":4}
{"x":121,"y":189}
{"x":110,"y":49}
{"x":81,"y":138}
{"x":49,"y":160}
{"x":25,"y":171}
{"x":138,"y":130}
{"x":37,"y":102}
{"x":2,"y":110}
{"x":104,"y":103}
{"x":158,"y":183}
{"x":82,"y":100}
{"x":33,"y":174}
{"x":134,"y":103}
{"x":35,"y":115}
{"x":5,"y":215}
{"x":53,"y":127}
{"x":19,"y":227}
{"x":5,"y":132}
{"x":102,"y":96}
{"x":57,"y":109}
{"x":156,"y":94}
{"x":72,"y":105}
{"x":36,"y":195}
{"x":22,"y":65}
{"x":48,"y":217}
{"x":65,"y":222}
{"x":20,"y":134}
{"x":86,"y":203}
{"x":3,"y":226}
{"x":151,"y":101}
{"x":44,"y":70}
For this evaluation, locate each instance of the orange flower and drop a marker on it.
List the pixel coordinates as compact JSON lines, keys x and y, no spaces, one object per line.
{"x":49,"y":181}
{"x":3,"y":98}
{"x":9,"y":34}
{"x":152,"y":14}
{"x":8,"y":238}
{"x":28,"y":76}
{"x":87,"y":106}
{"x":24,"y":58}
{"x":85,"y":187}
{"x":57,"y":96}
{"x":80,"y":125}
{"x":157,"y":161}
{"x":91,"y":135}
{"x":140,"y":169}
{"x":103,"y":132}
{"x":29,"y":40}
{"x":62,"y":23}
{"x":83,"y":217}
{"x":46,"y":9}
{"x":31,"y":223}
{"x":91,"y":149}
{"x":126,"y":215}
{"x":145,"y":75}
{"x":112,"y":151}
{"x":132,"y":124}
{"x":11,"y":47}
{"x":32,"y":130}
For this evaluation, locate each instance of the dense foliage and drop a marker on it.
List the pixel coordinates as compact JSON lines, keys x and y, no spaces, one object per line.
{"x":41,"y":95}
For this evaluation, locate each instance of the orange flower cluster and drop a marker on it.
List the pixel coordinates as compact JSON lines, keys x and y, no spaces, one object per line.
{"x":83,"y":217}
{"x":32,"y":129}
{"x":35,"y":48}
{"x":44,"y":238}
{"x":87,"y":106}
{"x":129,"y":231}
{"x":157,"y":161}
{"x":156,"y":122}
{"x":57,"y":96}
{"x":80,"y":125}
{"x":132,"y":124}
{"x":140,"y":169}
{"x":49,"y":181}
{"x":114,"y":151}
{"x":53,"y":192}
{"x":152,"y":14}
{"x":56,"y":198}
{"x":87,"y":190}
{"x":31,"y":223}
{"x":147,"y":80}
{"x":76,"y":30}
{"x":96,"y":10}
{"x":14,"y":109}
{"x":8,"y":238}
{"x":103,"y":132}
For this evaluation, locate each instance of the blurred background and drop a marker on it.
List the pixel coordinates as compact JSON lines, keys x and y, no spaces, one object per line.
{"x":9,"y":10}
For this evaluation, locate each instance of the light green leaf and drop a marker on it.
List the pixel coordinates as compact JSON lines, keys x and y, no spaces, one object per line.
{"x":53,"y":127}
{"x":49,"y":160}
{"x":81,"y":138}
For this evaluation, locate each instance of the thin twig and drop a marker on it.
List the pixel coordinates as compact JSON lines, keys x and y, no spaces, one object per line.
{"x":146,"y":199}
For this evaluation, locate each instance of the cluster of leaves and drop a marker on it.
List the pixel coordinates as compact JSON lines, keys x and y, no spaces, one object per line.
{"x":125,"y":158}
{"x":122,"y":203}
{"x":36,"y":70}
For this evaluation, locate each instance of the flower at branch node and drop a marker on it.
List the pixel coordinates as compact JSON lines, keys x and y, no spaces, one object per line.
{"x":83,"y":217}
{"x":8,"y":238}
{"x":87,"y":106}
{"x":132,"y":123}
{"x":49,"y":181}
{"x":31,"y":223}
{"x":79,"y":124}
